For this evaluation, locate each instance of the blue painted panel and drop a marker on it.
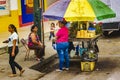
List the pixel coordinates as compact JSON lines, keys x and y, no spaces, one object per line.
{"x":25,"y":17}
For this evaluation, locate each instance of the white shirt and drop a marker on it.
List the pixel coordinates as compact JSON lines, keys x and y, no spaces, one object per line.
{"x":13,"y":36}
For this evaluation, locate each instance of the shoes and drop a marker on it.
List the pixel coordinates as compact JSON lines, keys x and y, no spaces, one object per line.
{"x":21,"y":72}
{"x":12,"y":75}
{"x":58,"y":70}
{"x":67,"y":69}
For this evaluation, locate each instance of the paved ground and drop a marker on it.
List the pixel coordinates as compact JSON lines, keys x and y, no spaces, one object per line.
{"x":107,"y":67}
{"x":29,"y":74}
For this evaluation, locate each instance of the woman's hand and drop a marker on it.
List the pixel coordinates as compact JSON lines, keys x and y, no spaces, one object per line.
{"x":40,"y":44}
{"x":13,"y":54}
{"x":6,"y":41}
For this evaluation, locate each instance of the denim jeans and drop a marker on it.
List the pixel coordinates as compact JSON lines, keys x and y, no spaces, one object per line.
{"x":62,"y":50}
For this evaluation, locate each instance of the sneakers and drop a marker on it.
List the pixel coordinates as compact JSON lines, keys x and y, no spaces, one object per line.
{"x":12,"y":75}
{"x":21,"y":72}
{"x":67,"y":69}
{"x":58,"y":70}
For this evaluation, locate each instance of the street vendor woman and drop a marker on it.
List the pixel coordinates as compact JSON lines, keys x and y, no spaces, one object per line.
{"x":62,"y":46}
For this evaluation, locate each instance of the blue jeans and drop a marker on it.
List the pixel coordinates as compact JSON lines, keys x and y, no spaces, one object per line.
{"x":62,"y":50}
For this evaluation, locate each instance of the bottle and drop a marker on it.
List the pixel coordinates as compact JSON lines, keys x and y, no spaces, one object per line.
{"x":81,"y":31}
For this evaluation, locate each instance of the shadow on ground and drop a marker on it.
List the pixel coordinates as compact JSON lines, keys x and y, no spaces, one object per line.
{"x":104,"y":65}
{"x":107,"y":63}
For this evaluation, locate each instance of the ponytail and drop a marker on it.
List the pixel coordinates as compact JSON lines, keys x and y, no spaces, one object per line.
{"x":14,"y":28}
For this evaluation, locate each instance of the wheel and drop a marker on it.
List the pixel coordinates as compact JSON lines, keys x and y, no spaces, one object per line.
{"x":105,"y":33}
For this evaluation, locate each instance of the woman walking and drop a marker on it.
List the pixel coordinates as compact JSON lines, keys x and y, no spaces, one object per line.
{"x":13,"y":50}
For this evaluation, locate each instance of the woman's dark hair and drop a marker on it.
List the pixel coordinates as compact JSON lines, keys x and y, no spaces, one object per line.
{"x":14,"y":28}
{"x":33,"y":26}
{"x":63,"y":22}
{"x":53,"y":24}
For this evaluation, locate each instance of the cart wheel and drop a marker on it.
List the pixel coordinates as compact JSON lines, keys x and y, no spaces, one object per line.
{"x":105,"y":33}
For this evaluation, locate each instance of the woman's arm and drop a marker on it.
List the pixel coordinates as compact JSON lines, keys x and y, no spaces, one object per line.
{"x":6,"y":41}
{"x":33,"y":37}
{"x":13,"y":49}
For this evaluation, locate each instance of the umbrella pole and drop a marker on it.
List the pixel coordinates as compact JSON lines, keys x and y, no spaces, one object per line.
{"x":87,"y":25}
{"x":78,"y":26}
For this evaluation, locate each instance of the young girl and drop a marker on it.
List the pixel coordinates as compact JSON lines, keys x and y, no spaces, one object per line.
{"x":13,"y":50}
{"x":52,"y":29}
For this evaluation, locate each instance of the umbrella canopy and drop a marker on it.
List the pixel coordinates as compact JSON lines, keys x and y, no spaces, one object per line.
{"x":79,"y":10}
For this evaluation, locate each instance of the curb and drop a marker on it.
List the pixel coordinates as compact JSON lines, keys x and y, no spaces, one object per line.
{"x":3,"y":50}
{"x":45,"y":61}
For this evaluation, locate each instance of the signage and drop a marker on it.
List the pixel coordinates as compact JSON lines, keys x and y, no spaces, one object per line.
{"x":4,"y":7}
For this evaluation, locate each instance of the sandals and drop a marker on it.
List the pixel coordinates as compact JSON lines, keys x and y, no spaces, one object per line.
{"x":37,"y":59}
{"x":21,"y":72}
{"x":12,"y":75}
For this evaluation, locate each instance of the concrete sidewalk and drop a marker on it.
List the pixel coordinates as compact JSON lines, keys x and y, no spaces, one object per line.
{"x":29,"y":74}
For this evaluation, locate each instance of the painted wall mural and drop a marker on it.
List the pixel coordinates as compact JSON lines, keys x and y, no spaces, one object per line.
{"x":26,"y":18}
{"x":29,"y":6}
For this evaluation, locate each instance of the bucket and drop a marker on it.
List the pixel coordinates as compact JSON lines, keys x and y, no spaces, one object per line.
{"x":87,"y":66}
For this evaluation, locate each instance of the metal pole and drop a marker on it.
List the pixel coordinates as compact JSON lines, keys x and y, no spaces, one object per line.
{"x":42,"y":7}
{"x":38,"y":19}
{"x":37,"y":16}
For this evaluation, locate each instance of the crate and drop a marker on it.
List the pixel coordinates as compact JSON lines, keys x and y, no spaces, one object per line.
{"x":87,"y":66}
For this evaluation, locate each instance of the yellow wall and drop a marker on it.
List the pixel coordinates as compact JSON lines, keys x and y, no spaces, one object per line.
{"x":19,"y":7}
{"x":12,"y":19}
{"x":6,"y":20}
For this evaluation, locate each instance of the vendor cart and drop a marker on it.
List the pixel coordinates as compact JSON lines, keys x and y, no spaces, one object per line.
{"x":85,"y":39}
{"x":88,"y":52}
{"x":79,"y":10}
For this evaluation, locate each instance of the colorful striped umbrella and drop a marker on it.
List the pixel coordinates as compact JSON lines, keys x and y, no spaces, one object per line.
{"x":79,"y":10}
